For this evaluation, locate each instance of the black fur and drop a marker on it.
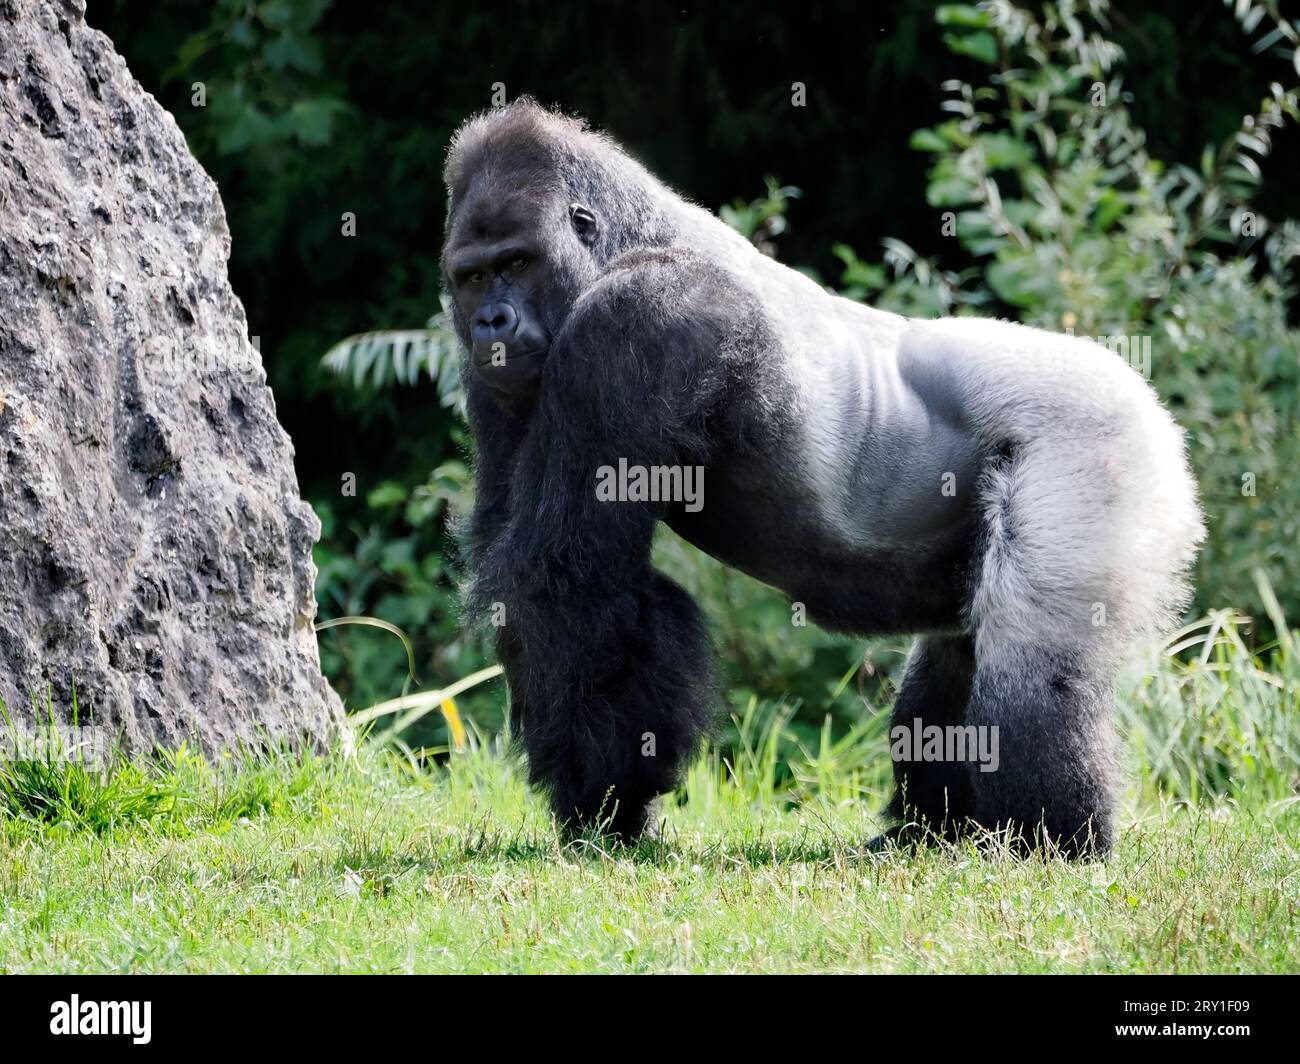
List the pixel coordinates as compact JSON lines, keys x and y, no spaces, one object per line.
{"x":938,"y":796}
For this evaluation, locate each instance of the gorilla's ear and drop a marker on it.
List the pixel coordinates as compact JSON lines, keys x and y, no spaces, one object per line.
{"x":584,"y":223}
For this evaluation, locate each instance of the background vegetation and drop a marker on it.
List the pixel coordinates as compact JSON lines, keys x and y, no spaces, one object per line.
{"x":1122,"y":171}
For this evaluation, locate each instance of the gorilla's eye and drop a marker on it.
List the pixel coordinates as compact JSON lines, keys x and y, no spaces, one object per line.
{"x":519,"y":263}
{"x":584,"y":223}
{"x":475,"y":278}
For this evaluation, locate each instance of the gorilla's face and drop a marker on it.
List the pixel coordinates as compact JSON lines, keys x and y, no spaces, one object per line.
{"x":514,"y":264}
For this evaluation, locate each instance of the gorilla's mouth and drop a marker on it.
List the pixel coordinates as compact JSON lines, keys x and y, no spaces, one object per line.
{"x":516,"y":375}
{"x":524,"y":359}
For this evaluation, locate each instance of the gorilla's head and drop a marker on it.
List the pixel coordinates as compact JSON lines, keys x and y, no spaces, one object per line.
{"x":514,"y":263}
{"x":531,"y":221}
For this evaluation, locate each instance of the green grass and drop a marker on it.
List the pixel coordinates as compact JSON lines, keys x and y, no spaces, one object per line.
{"x":377,"y":864}
{"x":368,"y":866}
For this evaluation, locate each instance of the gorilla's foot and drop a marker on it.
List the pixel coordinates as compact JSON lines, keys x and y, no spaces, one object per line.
{"x":909,"y":836}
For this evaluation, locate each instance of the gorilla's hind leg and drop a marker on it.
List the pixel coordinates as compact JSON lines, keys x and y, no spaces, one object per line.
{"x":1055,"y":777}
{"x":932,"y":798}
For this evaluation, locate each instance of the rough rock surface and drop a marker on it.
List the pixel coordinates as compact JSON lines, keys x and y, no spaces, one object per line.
{"x":153,"y":548}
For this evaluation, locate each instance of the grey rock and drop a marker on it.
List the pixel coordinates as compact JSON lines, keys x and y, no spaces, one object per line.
{"x":154,"y":551}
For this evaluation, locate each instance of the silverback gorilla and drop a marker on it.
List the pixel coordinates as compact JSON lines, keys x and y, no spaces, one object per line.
{"x":1018,"y":498}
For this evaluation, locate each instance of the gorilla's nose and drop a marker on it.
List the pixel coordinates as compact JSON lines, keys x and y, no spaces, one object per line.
{"x":493,"y":323}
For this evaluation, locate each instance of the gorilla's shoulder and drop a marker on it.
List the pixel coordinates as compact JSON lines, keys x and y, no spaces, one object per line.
{"x":673,"y":279}
{"x":668,"y":307}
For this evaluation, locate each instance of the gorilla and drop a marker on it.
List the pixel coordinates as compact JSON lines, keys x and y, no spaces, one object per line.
{"x":1018,"y":499}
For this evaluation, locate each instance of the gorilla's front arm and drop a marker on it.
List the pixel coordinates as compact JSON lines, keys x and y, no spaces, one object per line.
{"x":608,"y":663}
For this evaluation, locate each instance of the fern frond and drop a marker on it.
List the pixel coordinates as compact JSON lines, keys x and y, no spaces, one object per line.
{"x":402,"y":356}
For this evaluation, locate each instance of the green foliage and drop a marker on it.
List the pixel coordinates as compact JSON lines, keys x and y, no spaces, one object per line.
{"x":762,"y":220}
{"x":403,"y":356}
{"x":399,"y":571}
{"x":1222,"y":723}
